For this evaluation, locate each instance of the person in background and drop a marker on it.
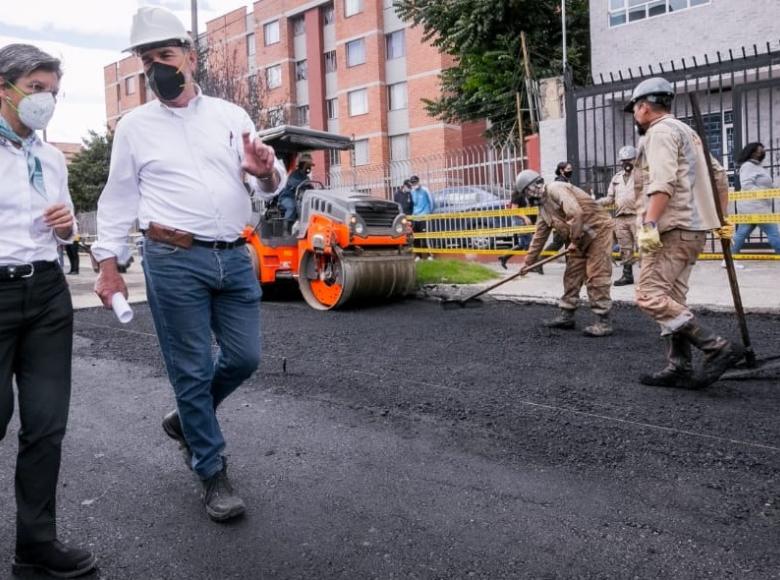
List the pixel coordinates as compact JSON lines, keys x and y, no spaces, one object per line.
{"x":36,"y":313}
{"x":72,"y":250}
{"x":422,"y":205}
{"x":754,"y":176}
{"x":403,"y":197}
{"x":621,"y":194}
{"x":287,"y":196}
{"x":521,"y":241}
{"x":564,"y":171}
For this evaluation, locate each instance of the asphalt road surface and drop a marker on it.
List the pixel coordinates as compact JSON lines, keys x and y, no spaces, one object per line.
{"x":405,"y":441}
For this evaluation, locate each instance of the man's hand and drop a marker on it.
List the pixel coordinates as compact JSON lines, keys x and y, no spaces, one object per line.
{"x":60,"y":219}
{"x":259,"y":158}
{"x":109,"y":282}
{"x":726,"y":231}
{"x":648,"y":238}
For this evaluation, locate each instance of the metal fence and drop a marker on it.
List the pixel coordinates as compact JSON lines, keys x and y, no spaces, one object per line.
{"x":740,"y":101}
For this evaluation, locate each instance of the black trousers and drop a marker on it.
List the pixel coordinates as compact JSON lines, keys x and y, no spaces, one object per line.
{"x":36,"y":341}
{"x":72,"y":250}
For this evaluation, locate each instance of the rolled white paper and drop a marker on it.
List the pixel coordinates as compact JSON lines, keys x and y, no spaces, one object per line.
{"x":121,"y":308}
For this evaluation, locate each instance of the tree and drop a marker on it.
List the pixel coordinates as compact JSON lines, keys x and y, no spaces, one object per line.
{"x":220,"y":74}
{"x":484,"y":37}
{"x":88,"y":172}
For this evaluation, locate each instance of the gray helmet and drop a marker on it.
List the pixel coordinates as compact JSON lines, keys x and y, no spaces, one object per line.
{"x":627,"y":152}
{"x":655,"y":90}
{"x":525,"y":178}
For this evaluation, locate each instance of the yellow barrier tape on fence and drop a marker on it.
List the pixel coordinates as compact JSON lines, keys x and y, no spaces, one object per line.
{"x":757,"y":194}
{"x":754,"y":218}
{"x":475,"y":214}
{"x":707,"y":256}
{"x":476,"y":233}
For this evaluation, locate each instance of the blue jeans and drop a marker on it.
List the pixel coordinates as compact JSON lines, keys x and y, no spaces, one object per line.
{"x":743,"y":231}
{"x":288,"y":205}
{"x":191,"y":294}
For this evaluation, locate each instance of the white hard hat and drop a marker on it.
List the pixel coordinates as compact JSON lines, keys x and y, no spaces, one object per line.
{"x":627,"y":152}
{"x":152,"y":25}
{"x":525,"y":178}
{"x":653,"y":89}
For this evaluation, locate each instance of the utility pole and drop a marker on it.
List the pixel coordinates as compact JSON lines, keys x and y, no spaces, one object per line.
{"x":528,"y":81}
{"x":563,"y":25}
{"x":194,"y":28}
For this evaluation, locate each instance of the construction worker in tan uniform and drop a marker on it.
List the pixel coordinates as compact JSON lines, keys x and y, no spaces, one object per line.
{"x":587,"y":228}
{"x":621,"y":194}
{"x":676,"y":207}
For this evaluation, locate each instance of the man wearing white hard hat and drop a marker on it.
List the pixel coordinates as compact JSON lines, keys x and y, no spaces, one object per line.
{"x":676,"y":208}
{"x":621,"y":194}
{"x":178,"y":165}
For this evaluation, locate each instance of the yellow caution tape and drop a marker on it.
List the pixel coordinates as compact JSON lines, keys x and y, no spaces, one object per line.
{"x":757,"y":194}
{"x":477,"y":233}
{"x":754,"y":218}
{"x":705,"y":256}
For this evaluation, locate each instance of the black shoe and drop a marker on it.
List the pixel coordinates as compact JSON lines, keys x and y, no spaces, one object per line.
{"x":628,"y":276}
{"x":222,"y":503}
{"x":717,"y":363}
{"x":669,"y":377}
{"x":171,"y":424}
{"x":538,"y":270}
{"x":503,"y":260}
{"x":73,"y":273}
{"x":54,"y":559}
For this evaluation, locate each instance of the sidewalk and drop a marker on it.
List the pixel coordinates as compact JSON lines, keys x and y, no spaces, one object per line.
{"x":759,"y":284}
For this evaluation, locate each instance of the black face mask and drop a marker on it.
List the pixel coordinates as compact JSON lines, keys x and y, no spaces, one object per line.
{"x":166,"y":81}
{"x":761,"y":157}
{"x":568,"y":174}
{"x":639,"y":129}
{"x":629,"y":167}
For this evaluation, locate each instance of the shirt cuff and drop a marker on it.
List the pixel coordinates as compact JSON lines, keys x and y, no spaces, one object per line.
{"x":256,"y":184}
{"x":69,"y":240}
{"x":660,"y":187}
{"x":107,"y":250}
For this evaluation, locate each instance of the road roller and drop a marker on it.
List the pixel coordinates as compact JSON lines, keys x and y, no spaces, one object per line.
{"x":345,"y":247}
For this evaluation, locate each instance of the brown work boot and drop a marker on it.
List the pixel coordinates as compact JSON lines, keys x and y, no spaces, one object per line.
{"x":628,"y":276}
{"x":222,"y":503}
{"x":564,"y":320}
{"x":602,"y":327}
{"x":719,"y":354}
{"x":678,"y":372}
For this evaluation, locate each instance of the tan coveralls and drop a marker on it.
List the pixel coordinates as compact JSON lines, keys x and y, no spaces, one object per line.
{"x":671,"y":161}
{"x":574,"y":215}
{"x":621,"y":193}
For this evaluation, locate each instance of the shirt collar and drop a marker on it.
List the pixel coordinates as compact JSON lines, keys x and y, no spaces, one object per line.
{"x":191,"y":106}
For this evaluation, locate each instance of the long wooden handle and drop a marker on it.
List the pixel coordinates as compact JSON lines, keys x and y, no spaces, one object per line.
{"x":750,"y":355}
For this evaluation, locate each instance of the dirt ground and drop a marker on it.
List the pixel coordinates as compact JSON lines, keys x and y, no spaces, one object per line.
{"x":405,"y":441}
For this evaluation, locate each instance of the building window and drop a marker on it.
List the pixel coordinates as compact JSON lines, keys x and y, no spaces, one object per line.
{"x":328,"y":15}
{"x":356,"y":52}
{"x":331,"y":64}
{"x":301,"y":70}
{"x":130,"y":86}
{"x":275,"y":116}
{"x":397,"y":97}
{"x":302,"y":114}
{"x":334,"y":157}
{"x":396,"y":48}
{"x":251,"y":47}
{"x":273,"y":76}
{"x":298,"y":26}
{"x":358,"y":102}
{"x":361,"y":152}
{"x":333,"y":108}
{"x":623,"y":11}
{"x":352,"y":7}
{"x":399,"y":147}
{"x":271,"y":32}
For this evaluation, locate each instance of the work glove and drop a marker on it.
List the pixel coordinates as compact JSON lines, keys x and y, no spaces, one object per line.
{"x":726,"y":231}
{"x":648,"y":238}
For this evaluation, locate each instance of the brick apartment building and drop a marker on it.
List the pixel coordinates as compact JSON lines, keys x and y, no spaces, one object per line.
{"x":346,"y":66}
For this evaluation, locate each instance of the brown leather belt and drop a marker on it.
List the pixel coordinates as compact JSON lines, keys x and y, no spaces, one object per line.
{"x":180,"y":238}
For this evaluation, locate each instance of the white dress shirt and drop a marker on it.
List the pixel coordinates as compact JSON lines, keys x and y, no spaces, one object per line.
{"x":24,"y":237}
{"x":181,"y":168}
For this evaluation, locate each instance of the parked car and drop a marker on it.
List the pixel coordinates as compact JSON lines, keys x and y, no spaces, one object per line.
{"x":465,"y":199}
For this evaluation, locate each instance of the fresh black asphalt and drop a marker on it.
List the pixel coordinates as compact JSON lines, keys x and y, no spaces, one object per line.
{"x":405,"y":441}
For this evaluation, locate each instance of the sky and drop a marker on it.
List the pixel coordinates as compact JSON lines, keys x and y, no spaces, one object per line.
{"x":87,"y":35}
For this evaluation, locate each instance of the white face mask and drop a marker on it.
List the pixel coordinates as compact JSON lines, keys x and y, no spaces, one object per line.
{"x":36,"y":110}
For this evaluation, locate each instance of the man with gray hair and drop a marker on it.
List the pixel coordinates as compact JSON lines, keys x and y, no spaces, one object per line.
{"x":36,"y":314}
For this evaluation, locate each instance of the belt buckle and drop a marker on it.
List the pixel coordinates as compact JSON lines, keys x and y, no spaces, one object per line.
{"x":12,"y":271}
{"x":32,"y":271}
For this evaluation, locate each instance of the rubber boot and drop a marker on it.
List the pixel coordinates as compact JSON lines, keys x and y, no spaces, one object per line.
{"x":678,"y":371}
{"x":602,"y":327}
{"x":719,"y":353}
{"x":504,"y":259}
{"x":628,"y":276}
{"x":564,"y":320}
